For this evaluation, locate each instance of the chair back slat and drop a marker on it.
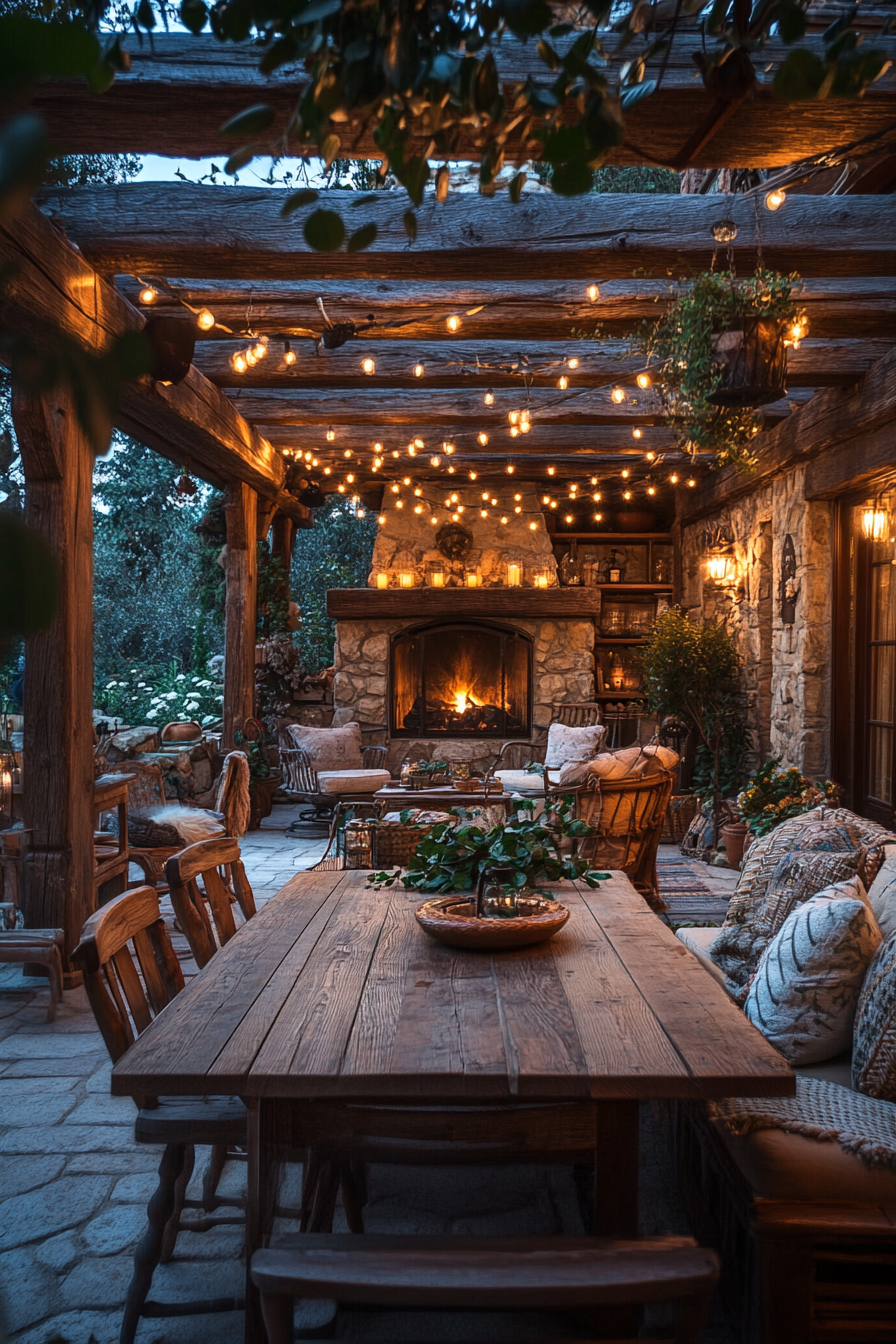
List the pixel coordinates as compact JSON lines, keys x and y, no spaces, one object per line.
{"x":124,"y":1001}
{"x":204,"y":914}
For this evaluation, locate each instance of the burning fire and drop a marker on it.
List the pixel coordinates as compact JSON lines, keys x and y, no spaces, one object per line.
{"x":463,"y":700}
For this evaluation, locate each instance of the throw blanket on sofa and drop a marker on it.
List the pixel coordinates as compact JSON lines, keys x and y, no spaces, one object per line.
{"x":820,"y":1110}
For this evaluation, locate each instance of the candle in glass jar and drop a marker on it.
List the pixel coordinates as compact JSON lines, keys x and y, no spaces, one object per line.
{"x":406,"y":579}
{"x":541,"y":580}
{"x":438,"y":578}
{"x":472,"y":578}
{"x":382,"y":580}
{"x":514,"y":575}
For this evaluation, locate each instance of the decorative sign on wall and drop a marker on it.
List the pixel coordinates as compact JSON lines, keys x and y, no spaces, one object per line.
{"x":788,"y":589}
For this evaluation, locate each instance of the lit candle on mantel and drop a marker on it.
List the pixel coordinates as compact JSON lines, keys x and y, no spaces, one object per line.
{"x":472,"y":578}
{"x":541,"y":580}
{"x":438,"y":578}
{"x":406,"y":578}
{"x":382,"y":580}
{"x":514,"y":574}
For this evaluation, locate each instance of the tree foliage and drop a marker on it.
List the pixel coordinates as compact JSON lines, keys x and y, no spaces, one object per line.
{"x":335,"y":553}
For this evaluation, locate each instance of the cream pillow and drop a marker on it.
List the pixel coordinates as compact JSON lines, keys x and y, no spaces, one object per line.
{"x":805,"y":992}
{"x":633,"y":762}
{"x":567,"y":744}
{"x":882,"y":893}
{"x":330,"y":748}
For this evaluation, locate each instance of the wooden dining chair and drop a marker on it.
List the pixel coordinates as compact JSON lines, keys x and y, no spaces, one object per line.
{"x":131,"y":973}
{"x":205,"y":913}
{"x":513,"y":1274}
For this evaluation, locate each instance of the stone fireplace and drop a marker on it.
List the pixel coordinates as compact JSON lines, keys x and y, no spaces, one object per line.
{"x":454,"y":671}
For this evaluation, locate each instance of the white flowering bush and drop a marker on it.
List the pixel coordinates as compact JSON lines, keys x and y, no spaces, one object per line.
{"x":159,"y":696}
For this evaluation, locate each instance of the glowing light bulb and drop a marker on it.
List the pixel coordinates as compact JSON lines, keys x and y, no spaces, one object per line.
{"x":360,"y":513}
{"x":545,"y":499}
{"x":626,"y":494}
{"x":525,"y":427}
{"x":514,"y":417}
{"x":553,"y":503}
{"x":148,"y":294}
{"x":347,"y":452}
{"x":453,"y":323}
{"x":395,"y":489}
{"x":568,"y":518}
{"x":483,"y":513}
{"x":331,"y":434}
{"x":419,"y":370}
{"x":517,"y":498}
{"x":307,"y":457}
{"x":618,"y":395}
{"x":396,"y":453}
{"x":377,"y":462}
{"x":691,"y":481}
{"x":510,"y":468}
{"x":485,"y":494}
{"x":455,"y":517}
{"x":328,"y":471}
{"x":399,"y":503}
{"x":382,"y":520}
{"x":651,"y":457}
{"x":563,"y":382}
{"x":489,"y":398}
{"x":260,"y":349}
{"x":460,"y":508}
{"x":474,"y":475}
{"x":597,"y":496}
{"x":451,"y":471}
{"x":593,"y":293}
{"x":341,"y":489}
{"x":251,"y":357}
{"x":289,"y":357}
{"x":433,"y":522}
{"x":350,"y":478}
{"x":552,"y":471}
{"x":518,"y":508}
{"x":644,"y":381}
{"x":418,"y":508}
{"x":368,"y":365}
{"x":417,"y":491}
{"x":598,"y":517}
{"x":454,"y":498}
{"x":493,"y":502}
{"x":651,"y":490}
{"x":435,"y":461}
{"x":573,"y":363}
{"x":775,"y":199}
{"x":514,"y":431}
{"x":407,"y":480}
{"x":205,"y":320}
{"x":482,"y":438}
{"x":238,"y":361}
{"x":315,"y":462}
{"x":412,"y":451}
{"x":636,"y":433}
{"x":418,"y":443}
{"x":448,"y":447}
{"x":504,"y":520}
{"x":377,"y":447}
{"x":625,"y":473}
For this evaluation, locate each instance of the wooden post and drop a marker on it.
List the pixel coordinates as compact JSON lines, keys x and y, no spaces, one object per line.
{"x":58,"y":775}
{"x":241,"y":569}
{"x":283,"y":533}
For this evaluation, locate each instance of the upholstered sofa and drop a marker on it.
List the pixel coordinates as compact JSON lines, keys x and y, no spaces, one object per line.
{"x":806,"y":1226}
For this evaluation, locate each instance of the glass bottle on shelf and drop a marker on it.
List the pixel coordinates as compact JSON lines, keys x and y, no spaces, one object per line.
{"x":570,"y":569}
{"x":615,"y":568}
{"x":405,"y":771}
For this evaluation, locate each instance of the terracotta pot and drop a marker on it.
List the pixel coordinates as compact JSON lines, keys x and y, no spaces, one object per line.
{"x":634,"y":520}
{"x":735,"y":834}
{"x":261,"y":793}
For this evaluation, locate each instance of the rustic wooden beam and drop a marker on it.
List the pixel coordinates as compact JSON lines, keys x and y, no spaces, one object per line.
{"x":238,"y":232}
{"x":369,"y":604}
{"x":551,"y":441}
{"x":831,"y":417}
{"x":181,"y":89}
{"x":853,"y":464}
{"x":50,"y":286}
{"x":58,"y":804}
{"x":497,"y":364}
{"x":241,"y":570}
{"x":512,"y":310}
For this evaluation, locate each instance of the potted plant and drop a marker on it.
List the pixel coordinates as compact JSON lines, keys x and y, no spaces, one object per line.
{"x":772,"y":796}
{"x":721,"y":352}
{"x":692,"y":672}
{"x":455,"y":853}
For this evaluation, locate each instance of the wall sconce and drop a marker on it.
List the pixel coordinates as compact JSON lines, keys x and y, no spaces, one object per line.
{"x":720,"y":568}
{"x":875,"y":522}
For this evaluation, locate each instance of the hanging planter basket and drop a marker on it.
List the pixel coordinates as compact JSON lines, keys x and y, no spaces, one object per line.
{"x":753,"y":359}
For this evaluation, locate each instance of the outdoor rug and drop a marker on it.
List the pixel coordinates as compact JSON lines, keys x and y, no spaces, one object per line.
{"x":690,"y":900}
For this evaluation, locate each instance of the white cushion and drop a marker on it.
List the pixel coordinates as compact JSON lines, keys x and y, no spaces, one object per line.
{"x":882,"y":893}
{"x":699,"y":941}
{"x":804,"y":994}
{"x":526,"y":782}
{"x":572,"y":744}
{"x":330,"y":748}
{"x":351,"y":781}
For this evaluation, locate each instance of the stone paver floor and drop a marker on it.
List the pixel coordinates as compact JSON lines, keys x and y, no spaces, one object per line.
{"x":74,"y":1185}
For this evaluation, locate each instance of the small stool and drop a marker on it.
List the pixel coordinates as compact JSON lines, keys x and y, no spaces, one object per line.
{"x":37,"y":945}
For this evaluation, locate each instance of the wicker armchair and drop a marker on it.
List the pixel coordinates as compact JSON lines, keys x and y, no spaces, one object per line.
{"x":298,"y":776}
{"x":518,"y":753}
{"x":627,"y":815}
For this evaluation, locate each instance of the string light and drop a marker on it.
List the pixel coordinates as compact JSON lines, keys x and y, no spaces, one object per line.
{"x":399,"y":503}
{"x":552,"y":471}
{"x":545,"y":499}
{"x":460,"y":508}
{"x":651,"y":457}
{"x":691,"y":481}
{"x":489,"y":398}
{"x":573,"y":363}
{"x":625,"y":473}
{"x":644,"y":380}
{"x":396,"y":453}
{"x":315,"y":462}
{"x":412,"y":451}
{"x":636,"y":433}
{"x":148,"y":294}
{"x":563,"y":382}
{"x":419,"y":370}
{"x":593,"y":293}
{"x":483,"y":513}
{"x":407,"y":480}
{"x":251,"y":357}
{"x":482,"y":438}
{"x":775,"y":199}
{"x":518,"y":508}
{"x":368,"y":365}
{"x":377,"y":447}
{"x":533,"y":527}
{"x":618,"y":395}
{"x":597,"y":496}
{"x":510,"y":468}
{"x":377,"y":463}
{"x":504,"y":520}
{"x":331,"y":434}
{"x":238,"y":360}
{"x":598,"y":517}
{"x":341,"y":489}
{"x":453,"y":323}
{"x":418,"y":443}
{"x":328,"y":471}
{"x":347,"y":453}
{"x":382,"y":520}
{"x":525,"y":427}
{"x":205,"y":319}
{"x":417,"y":490}
{"x":626,"y":494}
{"x":396,"y":489}
{"x":473,"y":475}
{"x":448,"y":448}
{"x":673,"y":479}
{"x":433,"y":522}
{"x":514,"y":431}
{"x":260,"y":349}
{"x":451,"y":471}
{"x":651,"y":490}
{"x":418,"y":508}
{"x":517,"y":498}
{"x":513,"y":417}
{"x":568,"y":518}
{"x":289,"y":355}
{"x":485,"y":494}
{"x":435,"y":461}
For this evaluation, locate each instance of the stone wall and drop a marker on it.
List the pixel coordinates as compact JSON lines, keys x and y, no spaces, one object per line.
{"x":562,"y":666}
{"x":786,"y":667}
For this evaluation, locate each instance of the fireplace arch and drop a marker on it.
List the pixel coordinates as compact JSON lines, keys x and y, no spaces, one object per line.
{"x":460,"y":679}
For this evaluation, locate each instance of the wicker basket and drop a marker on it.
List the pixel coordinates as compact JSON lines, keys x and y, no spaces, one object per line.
{"x":683,"y":807}
{"x":396,"y":844}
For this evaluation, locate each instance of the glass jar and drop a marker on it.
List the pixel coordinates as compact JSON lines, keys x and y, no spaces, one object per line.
{"x":571,"y":570}
{"x":359,"y":843}
{"x":436,"y":574}
{"x":404,"y":771}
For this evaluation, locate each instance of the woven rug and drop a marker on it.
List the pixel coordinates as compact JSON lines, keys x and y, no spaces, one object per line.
{"x":820,"y":1110}
{"x":688,"y":898}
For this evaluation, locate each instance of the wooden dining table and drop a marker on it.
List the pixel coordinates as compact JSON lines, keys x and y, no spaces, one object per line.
{"x":332,"y":993}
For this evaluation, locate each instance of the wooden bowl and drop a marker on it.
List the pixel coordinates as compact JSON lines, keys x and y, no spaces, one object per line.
{"x":448,"y":919}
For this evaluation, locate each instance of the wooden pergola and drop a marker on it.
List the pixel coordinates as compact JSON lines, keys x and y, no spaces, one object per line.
{"x":523,"y":282}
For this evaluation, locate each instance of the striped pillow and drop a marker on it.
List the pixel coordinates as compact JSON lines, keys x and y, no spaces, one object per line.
{"x":804,"y":994}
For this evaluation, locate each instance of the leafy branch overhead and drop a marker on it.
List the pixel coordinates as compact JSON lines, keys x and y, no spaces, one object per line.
{"x":425,"y":80}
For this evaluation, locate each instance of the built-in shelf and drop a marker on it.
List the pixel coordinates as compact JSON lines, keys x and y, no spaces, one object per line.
{"x":371,"y":604}
{"x":619,"y":639}
{"x":633,"y":587}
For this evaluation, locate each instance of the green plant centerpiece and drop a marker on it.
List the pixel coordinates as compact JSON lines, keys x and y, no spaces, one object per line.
{"x":693,"y":673}
{"x":719,"y":351}
{"x":455,"y":853}
{"x":772,"y":796}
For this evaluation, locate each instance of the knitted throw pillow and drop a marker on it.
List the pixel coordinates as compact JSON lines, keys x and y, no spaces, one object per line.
{"x":882,"y":893}
{"x":874,"y":1036}
{"x":804,"y":995}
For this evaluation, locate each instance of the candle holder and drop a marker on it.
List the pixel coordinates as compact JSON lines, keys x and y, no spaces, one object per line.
{"x":436,"y":574}
{"x":539,"y":577}
{"x":514,"y":574}
{"x":382,"y":580}
{"x":405,"y":578}
{"x":472,"y":578}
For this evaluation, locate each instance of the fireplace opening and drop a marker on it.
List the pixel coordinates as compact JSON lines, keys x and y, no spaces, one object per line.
{"x":465,"y":679}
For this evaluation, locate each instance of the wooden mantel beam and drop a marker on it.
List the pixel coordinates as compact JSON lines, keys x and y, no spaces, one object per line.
{"x":181,"y":89}
{"x":238,"y":232}
{"x":496,"y":364}
{"x":510,"y":310}
{"x":830,"y":418}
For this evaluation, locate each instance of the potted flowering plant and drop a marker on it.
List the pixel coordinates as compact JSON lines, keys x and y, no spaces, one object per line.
{"x":774,"y":795}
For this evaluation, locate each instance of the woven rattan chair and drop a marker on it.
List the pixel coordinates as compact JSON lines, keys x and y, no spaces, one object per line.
{"x":627,"y":815}
{"x":131,"y":973}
